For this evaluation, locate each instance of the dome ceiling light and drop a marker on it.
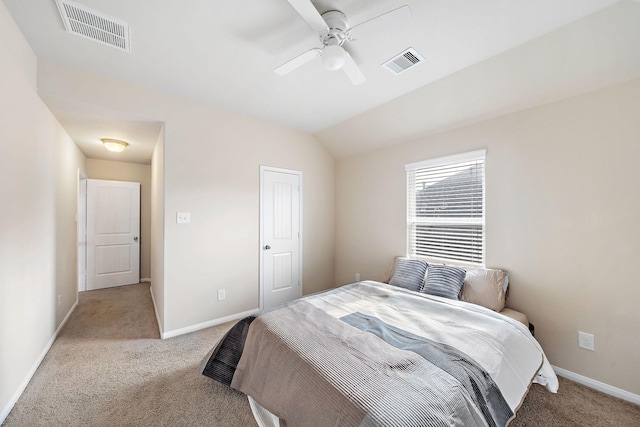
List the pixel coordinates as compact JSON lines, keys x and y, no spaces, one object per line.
{"x":114,"y":145}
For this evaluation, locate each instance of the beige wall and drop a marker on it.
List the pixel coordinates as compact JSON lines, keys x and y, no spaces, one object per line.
{"x":133,"y":172}
{"x":211,"y":169}
{"x":38,"y":176}
{"x":562,"y":218}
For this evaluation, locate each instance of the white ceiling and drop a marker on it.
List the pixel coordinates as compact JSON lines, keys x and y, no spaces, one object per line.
{"x":597,"y":51}
{"x":87,"y":124}
{"x":223,"y":53}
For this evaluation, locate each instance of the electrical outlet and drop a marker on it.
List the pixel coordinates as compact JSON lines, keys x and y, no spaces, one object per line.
{"x":357,"y":277}
{"x":586,"y":341}
{"x":221,"y":295}
{"x":59,"y":299}
{"x":183,"y":217}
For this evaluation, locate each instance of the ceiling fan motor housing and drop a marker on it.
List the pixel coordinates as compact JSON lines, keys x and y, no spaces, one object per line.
{"x":338,"y":25}
{"x":333,"y":30}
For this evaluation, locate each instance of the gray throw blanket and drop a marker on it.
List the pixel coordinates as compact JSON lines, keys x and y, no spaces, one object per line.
{"x":478,"y":383}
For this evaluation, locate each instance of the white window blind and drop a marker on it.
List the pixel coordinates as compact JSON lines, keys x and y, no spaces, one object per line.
{"x":445,"y":209}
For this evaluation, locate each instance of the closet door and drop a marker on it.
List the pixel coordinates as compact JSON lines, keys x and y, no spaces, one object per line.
{"x":281,"y":261}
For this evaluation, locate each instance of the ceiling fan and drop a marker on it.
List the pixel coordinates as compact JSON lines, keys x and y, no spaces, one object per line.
{"x":333,"y":30}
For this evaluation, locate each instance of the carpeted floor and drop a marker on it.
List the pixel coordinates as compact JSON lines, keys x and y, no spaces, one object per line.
{"x":108,"y":367}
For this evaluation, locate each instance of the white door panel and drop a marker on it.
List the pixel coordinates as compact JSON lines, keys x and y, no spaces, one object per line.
{"x":113,"y":230}
{"x":282,"y":271}
{"x":280,"y":232}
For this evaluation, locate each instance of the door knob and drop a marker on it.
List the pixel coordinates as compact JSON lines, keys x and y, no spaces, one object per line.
{"x":267,"y":247}
{"x":135,"y":238}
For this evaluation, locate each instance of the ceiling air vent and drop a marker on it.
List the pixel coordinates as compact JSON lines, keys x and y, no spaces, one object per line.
{"x":403,"y":61}
{"x":80,"y":20}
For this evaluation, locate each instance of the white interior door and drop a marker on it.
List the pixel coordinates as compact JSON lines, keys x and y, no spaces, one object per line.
{"x":113,"y":233}
{"x":281,"y":250}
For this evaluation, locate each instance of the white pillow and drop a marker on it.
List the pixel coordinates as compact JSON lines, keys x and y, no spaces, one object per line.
{"x":486,"y":287}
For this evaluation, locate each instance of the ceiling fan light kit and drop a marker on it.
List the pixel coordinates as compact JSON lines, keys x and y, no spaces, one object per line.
{"x":333,"y":30}
{"x":333,"y":57}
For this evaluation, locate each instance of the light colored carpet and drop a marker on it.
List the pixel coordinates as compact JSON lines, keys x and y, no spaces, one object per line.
{"x":108,"y":367}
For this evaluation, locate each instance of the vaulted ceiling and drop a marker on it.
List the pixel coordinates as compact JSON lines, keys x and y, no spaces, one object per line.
{"x":223,"y":53}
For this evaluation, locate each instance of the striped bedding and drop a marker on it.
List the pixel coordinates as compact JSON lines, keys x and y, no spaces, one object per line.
{"x":370,"y":354}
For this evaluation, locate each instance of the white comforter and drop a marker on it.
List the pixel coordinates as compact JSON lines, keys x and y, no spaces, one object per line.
{"x":502,"y":346}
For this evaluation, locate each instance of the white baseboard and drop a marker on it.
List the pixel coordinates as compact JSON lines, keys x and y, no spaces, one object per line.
{"x":145,"y":280}
{"x":155,"y":310}
{"x":597,"y":385}
{"x":208,"y":324}
{"x":25,"y":382}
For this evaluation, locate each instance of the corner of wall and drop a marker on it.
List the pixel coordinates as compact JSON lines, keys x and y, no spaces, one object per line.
{"x":157,"y":231}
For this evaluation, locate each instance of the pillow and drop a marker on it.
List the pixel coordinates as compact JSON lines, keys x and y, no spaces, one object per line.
{"x":486,"y":287}
{"x":444,"y":281}
{"x":409,"y":273}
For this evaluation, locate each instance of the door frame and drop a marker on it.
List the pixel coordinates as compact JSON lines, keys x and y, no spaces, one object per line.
{"x":81,"y":233}
{"x":264,"y":169}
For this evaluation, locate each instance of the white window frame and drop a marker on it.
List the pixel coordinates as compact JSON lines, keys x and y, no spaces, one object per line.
{"x":413,"y":219}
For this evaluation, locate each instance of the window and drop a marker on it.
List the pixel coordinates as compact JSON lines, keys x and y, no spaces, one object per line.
{"x":445,"y":209}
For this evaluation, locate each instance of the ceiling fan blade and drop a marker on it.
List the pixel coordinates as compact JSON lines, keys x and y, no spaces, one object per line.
{"x":298,"y":61}
{"x":392,"y":19}
{"x":309,"y":13}
{"x":352,"y":70}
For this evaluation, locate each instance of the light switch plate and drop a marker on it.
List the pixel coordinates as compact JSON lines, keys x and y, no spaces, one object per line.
{"x":183,"y":217}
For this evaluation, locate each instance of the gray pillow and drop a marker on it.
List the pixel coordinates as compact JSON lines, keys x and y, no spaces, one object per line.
{"x":444,"y":281}
{"x":409,"y":273}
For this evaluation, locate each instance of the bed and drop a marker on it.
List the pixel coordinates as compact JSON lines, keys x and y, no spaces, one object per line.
{"x":372,"y":353}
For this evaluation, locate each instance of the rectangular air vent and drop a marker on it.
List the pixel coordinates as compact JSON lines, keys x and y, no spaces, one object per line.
{"x":80,"y":20}
{"x":403,"y":61}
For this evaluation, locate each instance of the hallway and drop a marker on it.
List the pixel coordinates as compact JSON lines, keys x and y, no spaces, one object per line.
{"x":109,"y":367}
